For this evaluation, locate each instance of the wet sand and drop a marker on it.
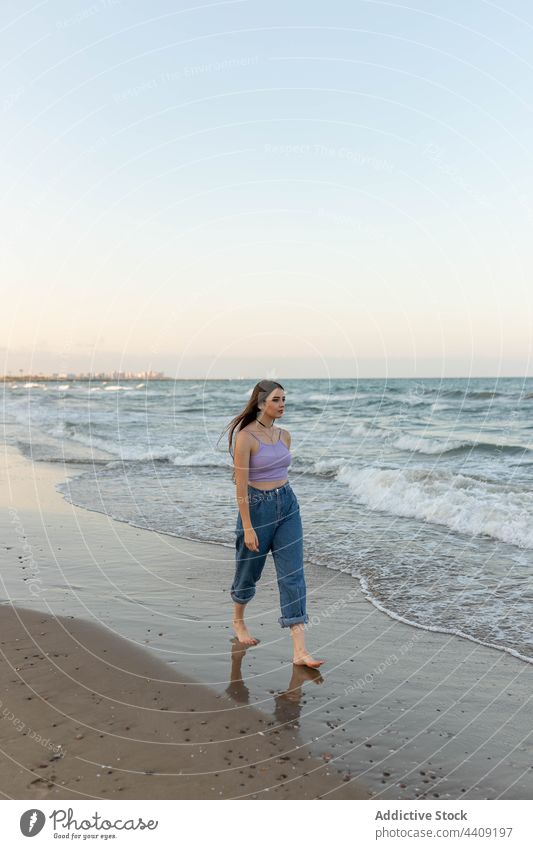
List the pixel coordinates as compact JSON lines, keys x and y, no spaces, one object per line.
{"x":86,"y":715}
{"x":127,"y":662}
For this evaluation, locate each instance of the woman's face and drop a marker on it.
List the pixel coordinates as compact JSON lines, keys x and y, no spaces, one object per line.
{"x":274,"y":404}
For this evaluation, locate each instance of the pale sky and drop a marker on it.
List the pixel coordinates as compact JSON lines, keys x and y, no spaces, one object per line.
{"x":300,"y":189}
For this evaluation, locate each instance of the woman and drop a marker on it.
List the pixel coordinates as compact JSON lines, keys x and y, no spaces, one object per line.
{"x":269,"y":516}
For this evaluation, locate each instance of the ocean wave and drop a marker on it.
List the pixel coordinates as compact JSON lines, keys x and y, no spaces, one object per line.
{"x":438,"y":407}
{"x":202,"y":458}
{"x":439,"y":392}
{"x":462,"y":503}
{"x":84,"y":435}
{"x":412,"y":399}
{"x":445,"y":444}
{"x":141,"y":453}
{"x":322,"y":396}
{"x":362,"y":429}
{"x":328,"y":468}
{"x":422,"y":445}
{"x":42,"y":452}
{"x":482,"y":394}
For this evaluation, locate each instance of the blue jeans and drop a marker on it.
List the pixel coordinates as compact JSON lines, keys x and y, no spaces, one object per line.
{"x":275,"y":517}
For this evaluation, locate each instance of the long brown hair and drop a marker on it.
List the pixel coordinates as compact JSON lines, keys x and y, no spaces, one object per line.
{"x":260,"y":391}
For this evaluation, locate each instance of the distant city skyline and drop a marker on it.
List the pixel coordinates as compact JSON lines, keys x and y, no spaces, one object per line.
{"x":294,"y":371}
{"x":72,"y":375}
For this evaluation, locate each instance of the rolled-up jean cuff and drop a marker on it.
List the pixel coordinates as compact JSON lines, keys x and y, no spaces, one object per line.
{"x":285,"y":622}
{"x":240,"y":600}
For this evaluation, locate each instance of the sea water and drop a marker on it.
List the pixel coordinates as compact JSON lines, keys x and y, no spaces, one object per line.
{"x":422,"y":489}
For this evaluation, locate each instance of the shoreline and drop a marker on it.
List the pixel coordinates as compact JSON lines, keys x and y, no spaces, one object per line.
{"x":363,"y":589}
{"x":404,"y":711}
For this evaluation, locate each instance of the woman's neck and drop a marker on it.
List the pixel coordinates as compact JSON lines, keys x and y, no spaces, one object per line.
{"x":266,"y":422}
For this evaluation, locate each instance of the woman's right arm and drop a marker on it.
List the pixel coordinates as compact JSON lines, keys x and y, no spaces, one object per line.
{"x":242,"y":468}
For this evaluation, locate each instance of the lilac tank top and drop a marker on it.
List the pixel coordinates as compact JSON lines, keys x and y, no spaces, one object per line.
{"x":270,"y":462}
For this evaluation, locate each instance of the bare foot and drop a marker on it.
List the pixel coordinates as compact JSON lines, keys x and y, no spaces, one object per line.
{"x":305,"y":659}
{"x":243,"y":634}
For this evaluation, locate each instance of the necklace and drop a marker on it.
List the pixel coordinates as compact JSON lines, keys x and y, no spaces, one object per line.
{"x":270,"y":434}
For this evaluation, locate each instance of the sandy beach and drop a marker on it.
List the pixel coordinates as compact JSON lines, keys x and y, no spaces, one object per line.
{"x":121,"y":677}
{"x":86,"y":715}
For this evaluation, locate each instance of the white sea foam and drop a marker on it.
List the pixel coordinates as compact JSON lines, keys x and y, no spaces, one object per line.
{"x":322,"y":396}
{"x":435,"y":628}
{"x":427,"y":446}
{"x":362,"y":429}
{"x":328,"y":467}
{"x":462,"y":503}
{"x":201,"y":458}
{"x":412,"y":399}
{"x":439,"y":405}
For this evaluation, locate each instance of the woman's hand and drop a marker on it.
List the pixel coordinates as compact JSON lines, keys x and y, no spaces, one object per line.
{"x":250,"y":539}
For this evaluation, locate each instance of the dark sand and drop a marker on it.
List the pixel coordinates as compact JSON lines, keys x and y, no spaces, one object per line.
{"x":87,"y":715}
